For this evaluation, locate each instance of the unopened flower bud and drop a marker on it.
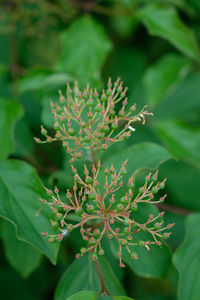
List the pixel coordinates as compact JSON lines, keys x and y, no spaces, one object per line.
{"x":43,"y":131}
{"x":133,"y":255}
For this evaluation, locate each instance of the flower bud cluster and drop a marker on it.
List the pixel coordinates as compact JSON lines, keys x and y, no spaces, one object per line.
{"x":89,"y":120}
{"x":102,"y":213}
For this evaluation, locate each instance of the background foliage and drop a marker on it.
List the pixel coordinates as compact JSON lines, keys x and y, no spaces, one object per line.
{"x":153,"y":46}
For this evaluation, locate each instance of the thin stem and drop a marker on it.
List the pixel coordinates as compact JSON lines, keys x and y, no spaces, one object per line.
{"x":175,"y":209}
{"x":94,"y":160}
{"x":103,"y":286}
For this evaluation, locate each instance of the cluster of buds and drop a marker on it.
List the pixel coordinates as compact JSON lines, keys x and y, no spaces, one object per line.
{"x":102,"y":213}
{"x":89,"y":120}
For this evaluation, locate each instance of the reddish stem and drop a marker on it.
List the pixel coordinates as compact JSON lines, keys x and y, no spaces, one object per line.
{"x":175,"y":209}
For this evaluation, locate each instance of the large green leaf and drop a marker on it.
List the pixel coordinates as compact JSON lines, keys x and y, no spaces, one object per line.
{"x":151,"y":264}
{"x":183,"y":101}
{"x":141,"y":156}
{"x":164,"y":75}
{"x":163,"y":21}
{"x":10,"y":112}
{"x":112,"y":283}
{"x":76,"y":278}
{"x":20,"y":190}
{"x":22,"y":256}
{"x":181,"y":140}
{"x":89,"y":295}
{"x":84,"y":47}
{"x":187,"y":260}
{"x":182,"y":184}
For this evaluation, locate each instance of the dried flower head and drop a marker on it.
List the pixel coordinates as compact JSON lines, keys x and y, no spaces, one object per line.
{"x":102,"y":213}
{"x":89,"y":120}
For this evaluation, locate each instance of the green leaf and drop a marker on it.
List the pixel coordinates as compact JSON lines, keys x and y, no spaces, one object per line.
{"x":187,"y":260}
{"x":56,"y":80}
{"x":84,"y":47}
{"x":63,"y":179}
{"x":36,"y":80}
{"x":179,"y":103}
{"x":151,"y":264}
{"x":122,"y":298}
{"x":32,"y":80}
{"x":22,"y":256}
{"x":10,"y":112}
{"x":76,"y":278}
{"x":20,"y":190}
{"x":181,"y":140}
{"x":163,"y":21}
{"x":112,"y":283}
{"x":164,"y":75}
{"x":182,"y":184}
{"x":124,"y":23}
{"x":141,"y":156}
{"x":89,"y":295}
{"x":154,"y":263}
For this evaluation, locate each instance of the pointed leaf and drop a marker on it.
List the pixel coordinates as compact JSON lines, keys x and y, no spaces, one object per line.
{"x":141,"y":156}
{"x":76,"y":278}
{"x":154,"y":263}
{"x":85,"y":46}
{"x":163,"y":76}
{"x":23,"y":257}
{"x":187,"y":260}
{"x":89,"y":295}
{"x":163,"y":21}
{"x":182,"y":184}
{"x":181,"y":140}
{"x":151,"y":264}
{"x":20,"y":190}
{"x":179,"y":102}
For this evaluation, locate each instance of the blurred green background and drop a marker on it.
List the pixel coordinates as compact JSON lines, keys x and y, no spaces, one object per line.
{"x":153,"y":47}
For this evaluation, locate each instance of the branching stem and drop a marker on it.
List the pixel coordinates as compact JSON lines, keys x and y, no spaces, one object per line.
{"x":103,"y":286}
{"x":98,"y":268}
